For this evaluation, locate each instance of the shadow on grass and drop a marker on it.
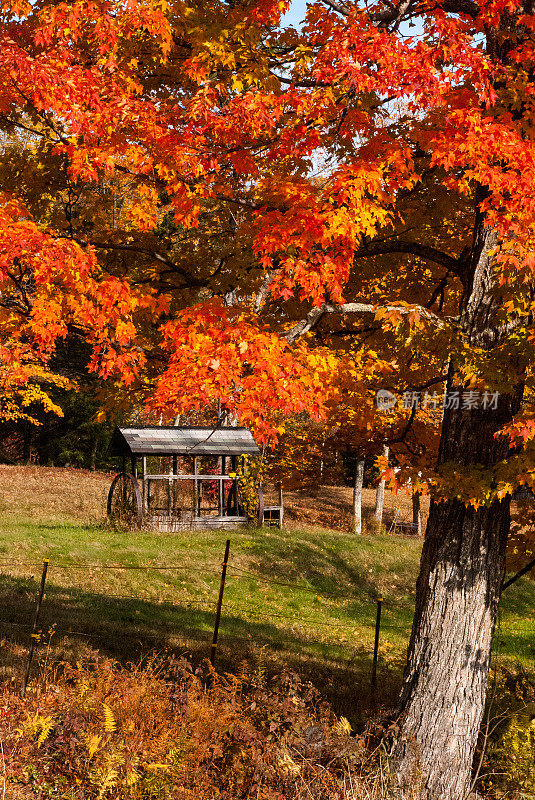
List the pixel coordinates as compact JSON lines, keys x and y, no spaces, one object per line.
{"x":322,"y":566}
{"x":127,"y":629}
{"x":130,"y":628}
{"x":336,"y":567}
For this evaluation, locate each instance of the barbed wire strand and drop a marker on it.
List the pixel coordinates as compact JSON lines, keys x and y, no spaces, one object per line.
{"x":253,"y":575}
{"x":243,"y":573}
{"x":119,"y":567}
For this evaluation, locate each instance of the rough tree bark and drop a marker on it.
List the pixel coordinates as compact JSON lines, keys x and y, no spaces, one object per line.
{"x":458,"y":590}
{"x":357,"y":496}
{"x":380,"y":494}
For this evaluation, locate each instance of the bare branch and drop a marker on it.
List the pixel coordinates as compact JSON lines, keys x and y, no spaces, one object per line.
{"x":394,"y":14}
{"x":191,"y":281}
{"x":339,"y":7}
{"x":315,"y":315}
{"x":384,"y":247}
{"x":263,"y":293}
{"x":407,"y":9}
{"x":461,"y":7}
{"x":529,"y":566}
{"x":305,"y":325}
{"x":368,"y":308}
{"x":438,"y":292}
{"x":401,"y":438}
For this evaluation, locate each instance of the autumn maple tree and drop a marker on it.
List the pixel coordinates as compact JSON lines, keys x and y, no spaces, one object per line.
{"x":236,"y":212}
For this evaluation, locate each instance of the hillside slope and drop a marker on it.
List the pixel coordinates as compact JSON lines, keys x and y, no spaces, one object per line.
{"x":303,"y":598}
{"x":45,"y":493}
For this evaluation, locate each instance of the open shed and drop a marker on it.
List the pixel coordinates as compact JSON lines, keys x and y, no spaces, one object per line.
{"x":173,"y":478}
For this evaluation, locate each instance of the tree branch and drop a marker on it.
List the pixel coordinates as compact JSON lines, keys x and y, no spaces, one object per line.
{"x":392,"y":14}
{"x":368,"y":308}
{"x":401,"y":438}
{"x":529,"y":566}
{"x":407,"y":9}
{"x":191,"y":281}
{"x":424,"y":251}
{"x":316,"y":313}
{"x":461,"y":7}
{"x":339,"y":7}
{"x":438,"y":292}
{"x":305,"y":325}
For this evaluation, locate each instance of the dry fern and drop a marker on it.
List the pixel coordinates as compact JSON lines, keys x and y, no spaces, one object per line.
{"x":109,"y":719}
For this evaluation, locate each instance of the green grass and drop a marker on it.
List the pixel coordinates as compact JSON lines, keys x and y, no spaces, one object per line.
{"x":322,"y":625}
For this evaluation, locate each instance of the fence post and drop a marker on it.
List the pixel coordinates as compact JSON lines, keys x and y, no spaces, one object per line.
{"x":33,"y":635}
{"x":219,"y":603}
{"x":376,"y":644}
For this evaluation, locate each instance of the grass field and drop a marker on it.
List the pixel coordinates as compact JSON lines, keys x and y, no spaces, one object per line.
{"x":303,"y":598}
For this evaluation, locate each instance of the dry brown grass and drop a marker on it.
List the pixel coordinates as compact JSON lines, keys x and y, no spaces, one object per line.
{"x":331,"y":507}
{"x":53,"y":493}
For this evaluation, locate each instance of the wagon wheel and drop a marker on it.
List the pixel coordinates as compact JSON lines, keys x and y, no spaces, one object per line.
{"x":254,"y":511}
{"x":125,"y":504}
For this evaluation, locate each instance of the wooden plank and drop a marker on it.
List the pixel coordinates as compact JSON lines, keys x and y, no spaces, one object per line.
{"x":175,"y":484}
{"x":200,"y":476}
{"x":196,"y":498}
{"x":221,"y":493}
{"x":170,"y":488}
{"x":144,"y":484}
{"x":165,"y":523}
{"x":184,"y":440}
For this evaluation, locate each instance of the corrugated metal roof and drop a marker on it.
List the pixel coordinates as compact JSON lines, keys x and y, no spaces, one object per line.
{"x":160,"y":441}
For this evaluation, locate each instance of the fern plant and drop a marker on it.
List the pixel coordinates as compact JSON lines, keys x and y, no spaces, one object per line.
{"x":37,"y":727}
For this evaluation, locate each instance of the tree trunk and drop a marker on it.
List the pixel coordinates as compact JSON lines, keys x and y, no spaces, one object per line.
{"x":457,"y":593}
{"x":93,"y":454}
{"x":461,"y":571}
{"x":357,"y":496}
{"x":380,"y":494}
{"x":449,"y":653}
{"x":416,"y":514}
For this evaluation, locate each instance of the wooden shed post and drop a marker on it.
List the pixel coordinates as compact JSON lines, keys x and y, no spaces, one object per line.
{"x":380,"y":493}
{"x":124,"y":482}
{"x":175,"y":482}
{"x":416,"y":514}
{"x":233,"y":494}
{"x":221,"y":493}
{"x":357,"y":495}
{"x":195,"y":489}
{"x":170,"y":488}
{"x":144,"y":484}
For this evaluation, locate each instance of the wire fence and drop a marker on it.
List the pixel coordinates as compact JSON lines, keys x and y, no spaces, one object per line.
{"x":224,"y":570}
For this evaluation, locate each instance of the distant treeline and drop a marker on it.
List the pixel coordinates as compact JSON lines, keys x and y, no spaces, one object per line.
{"x":74,"y":439}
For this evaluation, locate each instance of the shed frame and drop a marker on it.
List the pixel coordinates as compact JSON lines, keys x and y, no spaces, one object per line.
{"x":227,"y":446}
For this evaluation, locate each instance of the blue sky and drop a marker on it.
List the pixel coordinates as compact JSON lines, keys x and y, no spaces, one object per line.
{"x":295,"y":13}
